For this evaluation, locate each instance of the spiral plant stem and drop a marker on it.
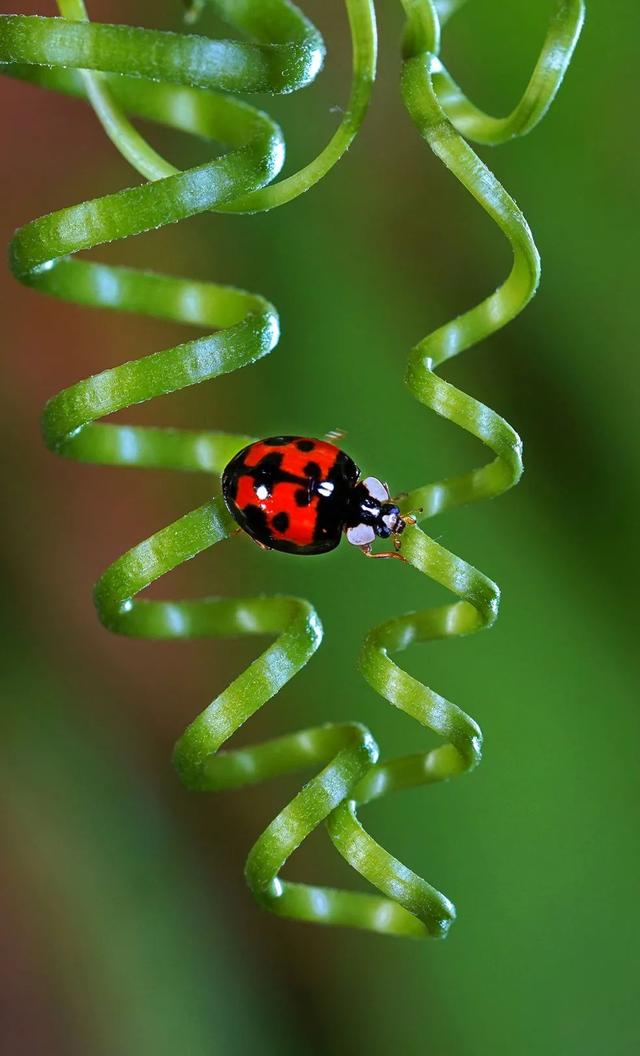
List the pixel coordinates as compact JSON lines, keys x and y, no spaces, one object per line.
{"x":187,"y":81}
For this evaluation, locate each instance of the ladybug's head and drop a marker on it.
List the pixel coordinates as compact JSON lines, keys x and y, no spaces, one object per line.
{"x":390,"y":521}
{"x":371,"y":513}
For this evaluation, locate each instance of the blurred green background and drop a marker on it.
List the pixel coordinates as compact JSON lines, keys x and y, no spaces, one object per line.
{"x":127,"y":925}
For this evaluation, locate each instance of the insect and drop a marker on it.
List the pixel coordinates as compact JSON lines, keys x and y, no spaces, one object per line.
{"x":299,"y":495}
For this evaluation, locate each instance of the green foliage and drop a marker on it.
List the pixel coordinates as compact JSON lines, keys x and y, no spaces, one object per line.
{"x":175,"y":79}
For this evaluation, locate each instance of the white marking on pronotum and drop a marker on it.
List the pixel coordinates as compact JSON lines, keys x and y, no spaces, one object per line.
{"x":361,"y":535}
{"x":325,"y":489}
{"x":376,"y":489}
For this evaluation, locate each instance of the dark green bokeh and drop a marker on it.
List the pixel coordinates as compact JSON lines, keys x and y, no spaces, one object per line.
{"x":538,"y":847}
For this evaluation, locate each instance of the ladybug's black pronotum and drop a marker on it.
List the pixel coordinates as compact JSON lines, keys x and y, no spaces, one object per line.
{"x":299,"y":495}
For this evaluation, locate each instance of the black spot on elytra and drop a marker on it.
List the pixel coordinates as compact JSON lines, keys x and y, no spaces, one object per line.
{"x":312,"y":469}
{"x":281,"y":522}
{"x":271,"y":462}
{"x":268,"y":471}
{"x":302,"y":497}
{"x":305,"y":445}
{"x":256,"y":521}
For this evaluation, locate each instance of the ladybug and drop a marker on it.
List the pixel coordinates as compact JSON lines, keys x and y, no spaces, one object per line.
{"x":299,"y":495}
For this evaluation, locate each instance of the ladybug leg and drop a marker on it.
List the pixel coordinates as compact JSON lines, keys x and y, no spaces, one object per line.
{"x":238,"y":531}
{"x":368,"y":552}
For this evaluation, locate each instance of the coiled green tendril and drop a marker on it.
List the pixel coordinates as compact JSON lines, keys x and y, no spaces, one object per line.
{"x":177,"y":80}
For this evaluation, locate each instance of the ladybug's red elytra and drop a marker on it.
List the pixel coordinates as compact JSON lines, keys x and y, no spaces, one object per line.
{"x":299,"y":495}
